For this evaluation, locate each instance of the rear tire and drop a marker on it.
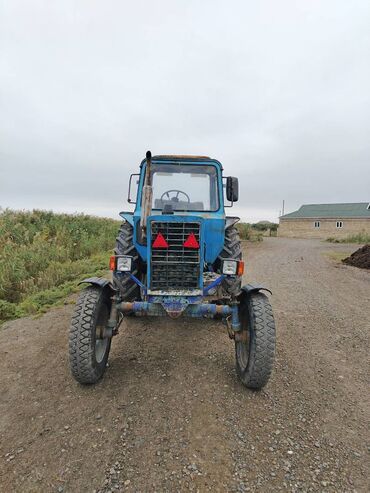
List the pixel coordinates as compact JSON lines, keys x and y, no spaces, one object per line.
{"x":255,"y":355}
{"x":88,"y":352}
{"x":232,"y":249}
{"x":128,"y":288}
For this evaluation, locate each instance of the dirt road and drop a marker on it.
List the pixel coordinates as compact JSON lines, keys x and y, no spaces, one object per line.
{"x":170,"y":415}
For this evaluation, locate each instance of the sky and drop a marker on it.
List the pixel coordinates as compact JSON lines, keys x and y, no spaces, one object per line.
{"x":278,"y":91}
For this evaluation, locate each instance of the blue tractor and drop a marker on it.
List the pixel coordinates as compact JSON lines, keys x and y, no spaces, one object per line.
{"x":176,"y":255}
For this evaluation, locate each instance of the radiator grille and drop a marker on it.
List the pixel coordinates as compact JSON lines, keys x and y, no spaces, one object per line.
{"x":175,"y":267}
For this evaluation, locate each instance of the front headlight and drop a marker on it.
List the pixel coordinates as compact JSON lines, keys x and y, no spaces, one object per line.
{"x":124,"y":264}
{"x":229,"y":267}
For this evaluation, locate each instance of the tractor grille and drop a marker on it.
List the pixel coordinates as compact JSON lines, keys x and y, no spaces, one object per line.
{"x":175,"y":267}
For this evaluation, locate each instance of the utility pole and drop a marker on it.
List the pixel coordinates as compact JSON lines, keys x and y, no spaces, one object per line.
{"x":283,"y":207}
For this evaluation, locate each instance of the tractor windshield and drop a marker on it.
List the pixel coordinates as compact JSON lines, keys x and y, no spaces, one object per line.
{"x":180,"y":187}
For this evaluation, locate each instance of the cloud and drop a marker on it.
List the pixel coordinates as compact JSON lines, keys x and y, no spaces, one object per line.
{"x":277,"y":91}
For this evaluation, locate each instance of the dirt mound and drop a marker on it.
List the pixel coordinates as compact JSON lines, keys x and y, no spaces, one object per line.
{"x":359,"y":258}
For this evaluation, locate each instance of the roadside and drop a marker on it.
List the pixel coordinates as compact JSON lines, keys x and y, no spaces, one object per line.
{"x":170,"y":413}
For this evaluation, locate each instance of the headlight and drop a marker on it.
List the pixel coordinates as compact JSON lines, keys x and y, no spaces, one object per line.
{"x":124,"y":264}
{"x":229,"y":267}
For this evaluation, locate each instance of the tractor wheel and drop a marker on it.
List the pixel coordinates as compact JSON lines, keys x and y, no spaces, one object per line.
{"x":88,"y":350}
{"x":125,"y":246}
{"x":232,"y":249}
{"x":255,"y":349}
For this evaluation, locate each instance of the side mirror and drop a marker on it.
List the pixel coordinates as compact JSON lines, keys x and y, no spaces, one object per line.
{"x":130,"y":191}
{"x":232,"y":189}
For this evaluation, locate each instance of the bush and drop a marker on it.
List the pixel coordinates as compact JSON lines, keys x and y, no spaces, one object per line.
{"x":247,"y":232}
{"x":265,"y":226}
{"x":40,"y":250}
{"x":244,"y":231}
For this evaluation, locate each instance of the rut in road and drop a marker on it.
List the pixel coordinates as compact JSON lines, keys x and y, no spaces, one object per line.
{"x":171,"y":415}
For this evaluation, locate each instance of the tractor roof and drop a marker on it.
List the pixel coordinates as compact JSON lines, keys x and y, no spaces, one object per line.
{"x":173,"y":158}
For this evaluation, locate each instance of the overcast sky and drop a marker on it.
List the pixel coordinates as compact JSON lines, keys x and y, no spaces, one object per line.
{"x":278,"y":91}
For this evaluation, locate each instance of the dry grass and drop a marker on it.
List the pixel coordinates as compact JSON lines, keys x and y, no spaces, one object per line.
{"x":338,"y":256}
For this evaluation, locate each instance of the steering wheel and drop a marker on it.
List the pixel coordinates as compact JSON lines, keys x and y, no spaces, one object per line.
{"x":176,"y":197}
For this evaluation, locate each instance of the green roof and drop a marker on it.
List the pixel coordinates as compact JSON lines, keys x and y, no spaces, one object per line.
{"x":336,"y":211}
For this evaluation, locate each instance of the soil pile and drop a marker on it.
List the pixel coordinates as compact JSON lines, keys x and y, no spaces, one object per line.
{"x":359,"y":258}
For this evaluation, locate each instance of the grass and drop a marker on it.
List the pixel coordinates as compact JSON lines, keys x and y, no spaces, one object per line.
{"x":360,"y":238}
{"x":43,"y":254}
{"x":338,"y":256}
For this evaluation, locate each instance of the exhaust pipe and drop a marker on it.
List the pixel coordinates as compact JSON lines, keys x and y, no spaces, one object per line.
{"x":146,"y":203}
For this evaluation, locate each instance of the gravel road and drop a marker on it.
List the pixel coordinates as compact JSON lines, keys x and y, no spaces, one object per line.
{"x":170,"y":415}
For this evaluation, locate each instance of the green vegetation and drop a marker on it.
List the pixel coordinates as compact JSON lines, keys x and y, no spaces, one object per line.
{"x":361,"y":238}
{"x":265,"y":226}
{"x":256,"y":231}
{"x":42,"y":255}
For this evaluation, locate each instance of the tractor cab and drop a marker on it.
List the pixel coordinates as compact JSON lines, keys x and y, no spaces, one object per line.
{"x":183,"y":189}
{"x":184,"y":184}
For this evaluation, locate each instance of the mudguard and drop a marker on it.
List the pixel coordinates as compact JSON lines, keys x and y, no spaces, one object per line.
{"x":128,"y":216}
{"x":253,"y":287}
{"x":99,"y":281}
{"x":230,"y":221}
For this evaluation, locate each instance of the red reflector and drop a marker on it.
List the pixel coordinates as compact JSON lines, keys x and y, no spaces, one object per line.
{"x":191,"y":242}
{"x":160,"y":242}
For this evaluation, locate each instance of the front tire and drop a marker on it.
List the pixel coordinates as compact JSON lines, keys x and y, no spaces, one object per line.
{"x":129,"y":290}
{"x":232,"y":249}
{"x":255,"y":352}
{"x":88,"y":350}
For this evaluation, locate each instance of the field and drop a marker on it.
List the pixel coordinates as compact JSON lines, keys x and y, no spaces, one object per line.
{"x":42,"y":255}
{"x":171,"y":415}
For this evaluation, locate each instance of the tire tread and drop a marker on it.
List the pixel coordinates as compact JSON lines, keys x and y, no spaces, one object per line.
{"x":262,"y":353}
{"x":232,"y":249}
{"x":81,"y":350}
{"x":125,"y":246}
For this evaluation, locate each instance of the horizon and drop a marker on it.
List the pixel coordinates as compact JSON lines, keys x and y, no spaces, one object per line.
{"x":251,"y":221}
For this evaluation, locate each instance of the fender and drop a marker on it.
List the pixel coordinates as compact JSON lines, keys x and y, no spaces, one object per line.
{"x":128,"y":216}
{"x":230,"y":221}
{"x":253,"y":287}
{"x":101,"y":282}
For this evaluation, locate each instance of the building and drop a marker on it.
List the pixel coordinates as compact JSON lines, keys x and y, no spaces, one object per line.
{"x":326,"y":221}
